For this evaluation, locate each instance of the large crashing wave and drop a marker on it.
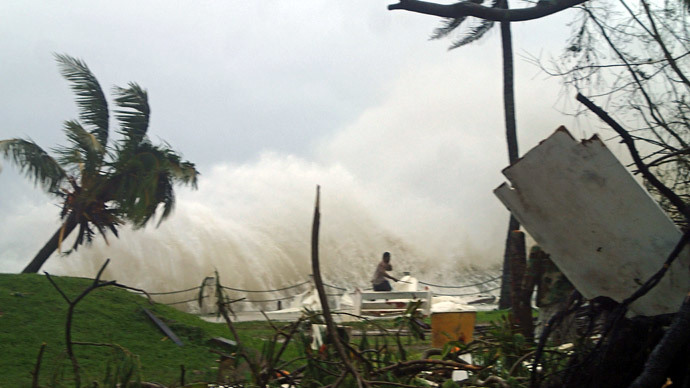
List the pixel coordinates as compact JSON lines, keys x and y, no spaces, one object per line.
{"x":252,"y":223}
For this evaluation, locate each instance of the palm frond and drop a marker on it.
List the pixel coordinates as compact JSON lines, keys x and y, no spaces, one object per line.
{"x":34,"y":162}
{"x":144,"y":181}
{"x":86,"y":151}
{"x":449,"y":25}
{"x":474,"y":33}
{"x":93,"y":106}
{"x":150,"y":187}
{"x":476,"y":30}
{"x":180,"y":171}
{"x":135,"y":112}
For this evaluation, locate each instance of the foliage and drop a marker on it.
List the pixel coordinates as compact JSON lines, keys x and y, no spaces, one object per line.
{"x":504,"y":357}
{"x":102,"y":183}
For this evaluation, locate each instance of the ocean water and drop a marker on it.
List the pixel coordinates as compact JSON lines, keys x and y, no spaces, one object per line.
{"x":252,"y":224}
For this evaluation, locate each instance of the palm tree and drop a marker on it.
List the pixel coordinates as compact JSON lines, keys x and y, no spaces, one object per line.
{"x":476,"y":30}
{"x":101,"y":185}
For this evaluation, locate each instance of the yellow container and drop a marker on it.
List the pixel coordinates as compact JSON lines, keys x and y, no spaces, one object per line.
{"x":452,"y":326}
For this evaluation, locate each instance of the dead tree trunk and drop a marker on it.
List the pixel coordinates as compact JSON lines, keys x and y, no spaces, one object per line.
{"x":522,"y":309}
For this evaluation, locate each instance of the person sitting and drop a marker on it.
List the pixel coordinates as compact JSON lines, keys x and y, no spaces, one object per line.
{"x":379,"y":280}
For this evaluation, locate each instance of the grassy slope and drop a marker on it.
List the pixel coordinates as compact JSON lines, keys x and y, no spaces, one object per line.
{"x":33,"y":312}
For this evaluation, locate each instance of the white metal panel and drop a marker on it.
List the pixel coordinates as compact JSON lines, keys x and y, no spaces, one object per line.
{"x":602,"y":229}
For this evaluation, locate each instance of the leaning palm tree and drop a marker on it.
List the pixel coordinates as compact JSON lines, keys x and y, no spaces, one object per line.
{"x":102,"y":184}
{"x":470,"y":30}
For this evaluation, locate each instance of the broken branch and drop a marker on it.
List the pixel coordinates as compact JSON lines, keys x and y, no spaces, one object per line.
{"x":643,"y":168}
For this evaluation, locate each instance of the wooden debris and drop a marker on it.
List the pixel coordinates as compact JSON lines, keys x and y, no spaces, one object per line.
{"x":163,"y":327}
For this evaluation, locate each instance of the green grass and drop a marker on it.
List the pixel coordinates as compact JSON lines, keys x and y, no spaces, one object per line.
{"x":491,"y":316}
{"x":32,"y":312}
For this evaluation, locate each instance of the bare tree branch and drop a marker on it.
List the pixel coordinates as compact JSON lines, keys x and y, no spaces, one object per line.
{"x":629,"y":142}
{"x":470,"y":8}
{"x":318,"y":283}
{"x":97,"y":283}
{"x":426,"y":364}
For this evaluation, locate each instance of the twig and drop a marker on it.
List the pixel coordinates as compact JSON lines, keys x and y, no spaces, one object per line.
{"x":339,"y":380}
{"x":324,"y":370}
{"x":37,"y":367}
{"x":223,"y":311}
{"x":269,"y":321}
{"x":519,"y":361}
{"x":656,"y":278}
{"x":288,"y":336}
{"x":135,"y":289}
{"x":358,"y":354}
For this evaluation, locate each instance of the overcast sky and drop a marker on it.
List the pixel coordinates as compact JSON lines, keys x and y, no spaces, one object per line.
{"x":269,"y":99}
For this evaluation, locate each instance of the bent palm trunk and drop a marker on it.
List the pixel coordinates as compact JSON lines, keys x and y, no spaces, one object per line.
{"x":51,"y":246}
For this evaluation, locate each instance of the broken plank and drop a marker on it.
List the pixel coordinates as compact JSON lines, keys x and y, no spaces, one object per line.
{"x":163,"y":327}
